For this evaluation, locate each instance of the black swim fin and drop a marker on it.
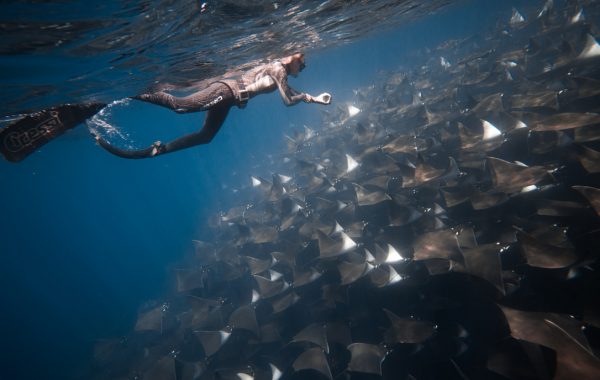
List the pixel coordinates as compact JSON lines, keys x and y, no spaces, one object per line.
{"x":20,"y":139}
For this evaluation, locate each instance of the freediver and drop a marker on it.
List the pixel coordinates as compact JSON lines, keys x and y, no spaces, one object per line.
{"x":27,"y":135}
{"x":218,"y":98}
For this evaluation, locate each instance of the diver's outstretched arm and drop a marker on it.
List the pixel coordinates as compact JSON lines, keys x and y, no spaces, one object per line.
{"x":212,"y":124}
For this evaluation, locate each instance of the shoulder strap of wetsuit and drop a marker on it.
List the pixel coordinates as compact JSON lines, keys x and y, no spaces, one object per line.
{"x":23,"y":137}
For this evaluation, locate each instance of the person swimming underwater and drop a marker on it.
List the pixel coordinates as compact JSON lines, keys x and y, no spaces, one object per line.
{"x":28,"y":134}
{"x":218,"y":98}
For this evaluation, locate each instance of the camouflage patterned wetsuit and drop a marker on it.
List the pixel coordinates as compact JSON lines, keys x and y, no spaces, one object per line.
{"x":217,"y":99}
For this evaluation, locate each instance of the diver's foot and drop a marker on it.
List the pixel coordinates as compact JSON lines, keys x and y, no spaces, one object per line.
{"x":157,"y":148}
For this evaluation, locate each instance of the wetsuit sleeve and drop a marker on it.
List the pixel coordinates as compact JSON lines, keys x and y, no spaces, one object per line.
{"x":288,"y":94}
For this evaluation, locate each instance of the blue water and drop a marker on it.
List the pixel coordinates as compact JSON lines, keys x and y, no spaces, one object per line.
{"x":87,"y":237}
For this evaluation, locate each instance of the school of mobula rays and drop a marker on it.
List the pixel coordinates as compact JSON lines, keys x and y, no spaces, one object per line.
{"x":445,"y":225}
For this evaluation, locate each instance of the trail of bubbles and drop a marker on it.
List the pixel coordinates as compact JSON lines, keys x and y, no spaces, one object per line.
{"x":7,"y":120}
{"x":99,"y":124}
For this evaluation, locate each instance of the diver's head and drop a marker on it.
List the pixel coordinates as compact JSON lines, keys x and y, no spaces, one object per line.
{"x":294,"y":63}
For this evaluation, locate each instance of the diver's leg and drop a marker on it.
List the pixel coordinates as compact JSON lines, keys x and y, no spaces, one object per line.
{"x":202,"y":100}
{"x":160,"y":98}
{"x":125,"y":153}
{"x":213,"y":122}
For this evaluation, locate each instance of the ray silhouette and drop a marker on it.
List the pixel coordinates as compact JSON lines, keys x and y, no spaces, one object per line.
{"x":313,"y":359}
{"x":314,"y":333}
{"x":406,"y":330}
{"x":512,"y":178}
{"x":329,"y":247}
{"x":244,"y":318}
{"x":542,"y":255}
{"x":592,"y":195}
{"x":212,"y":341}
{"x":366,"y":358}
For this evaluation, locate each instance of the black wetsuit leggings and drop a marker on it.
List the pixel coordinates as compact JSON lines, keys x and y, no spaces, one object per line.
{"x":217,"y":99}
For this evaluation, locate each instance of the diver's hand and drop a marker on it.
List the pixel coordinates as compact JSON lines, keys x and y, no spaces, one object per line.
{"x":324,"y":98}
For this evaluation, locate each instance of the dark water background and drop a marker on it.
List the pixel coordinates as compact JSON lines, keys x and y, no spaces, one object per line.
{"x":87,"y":237}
